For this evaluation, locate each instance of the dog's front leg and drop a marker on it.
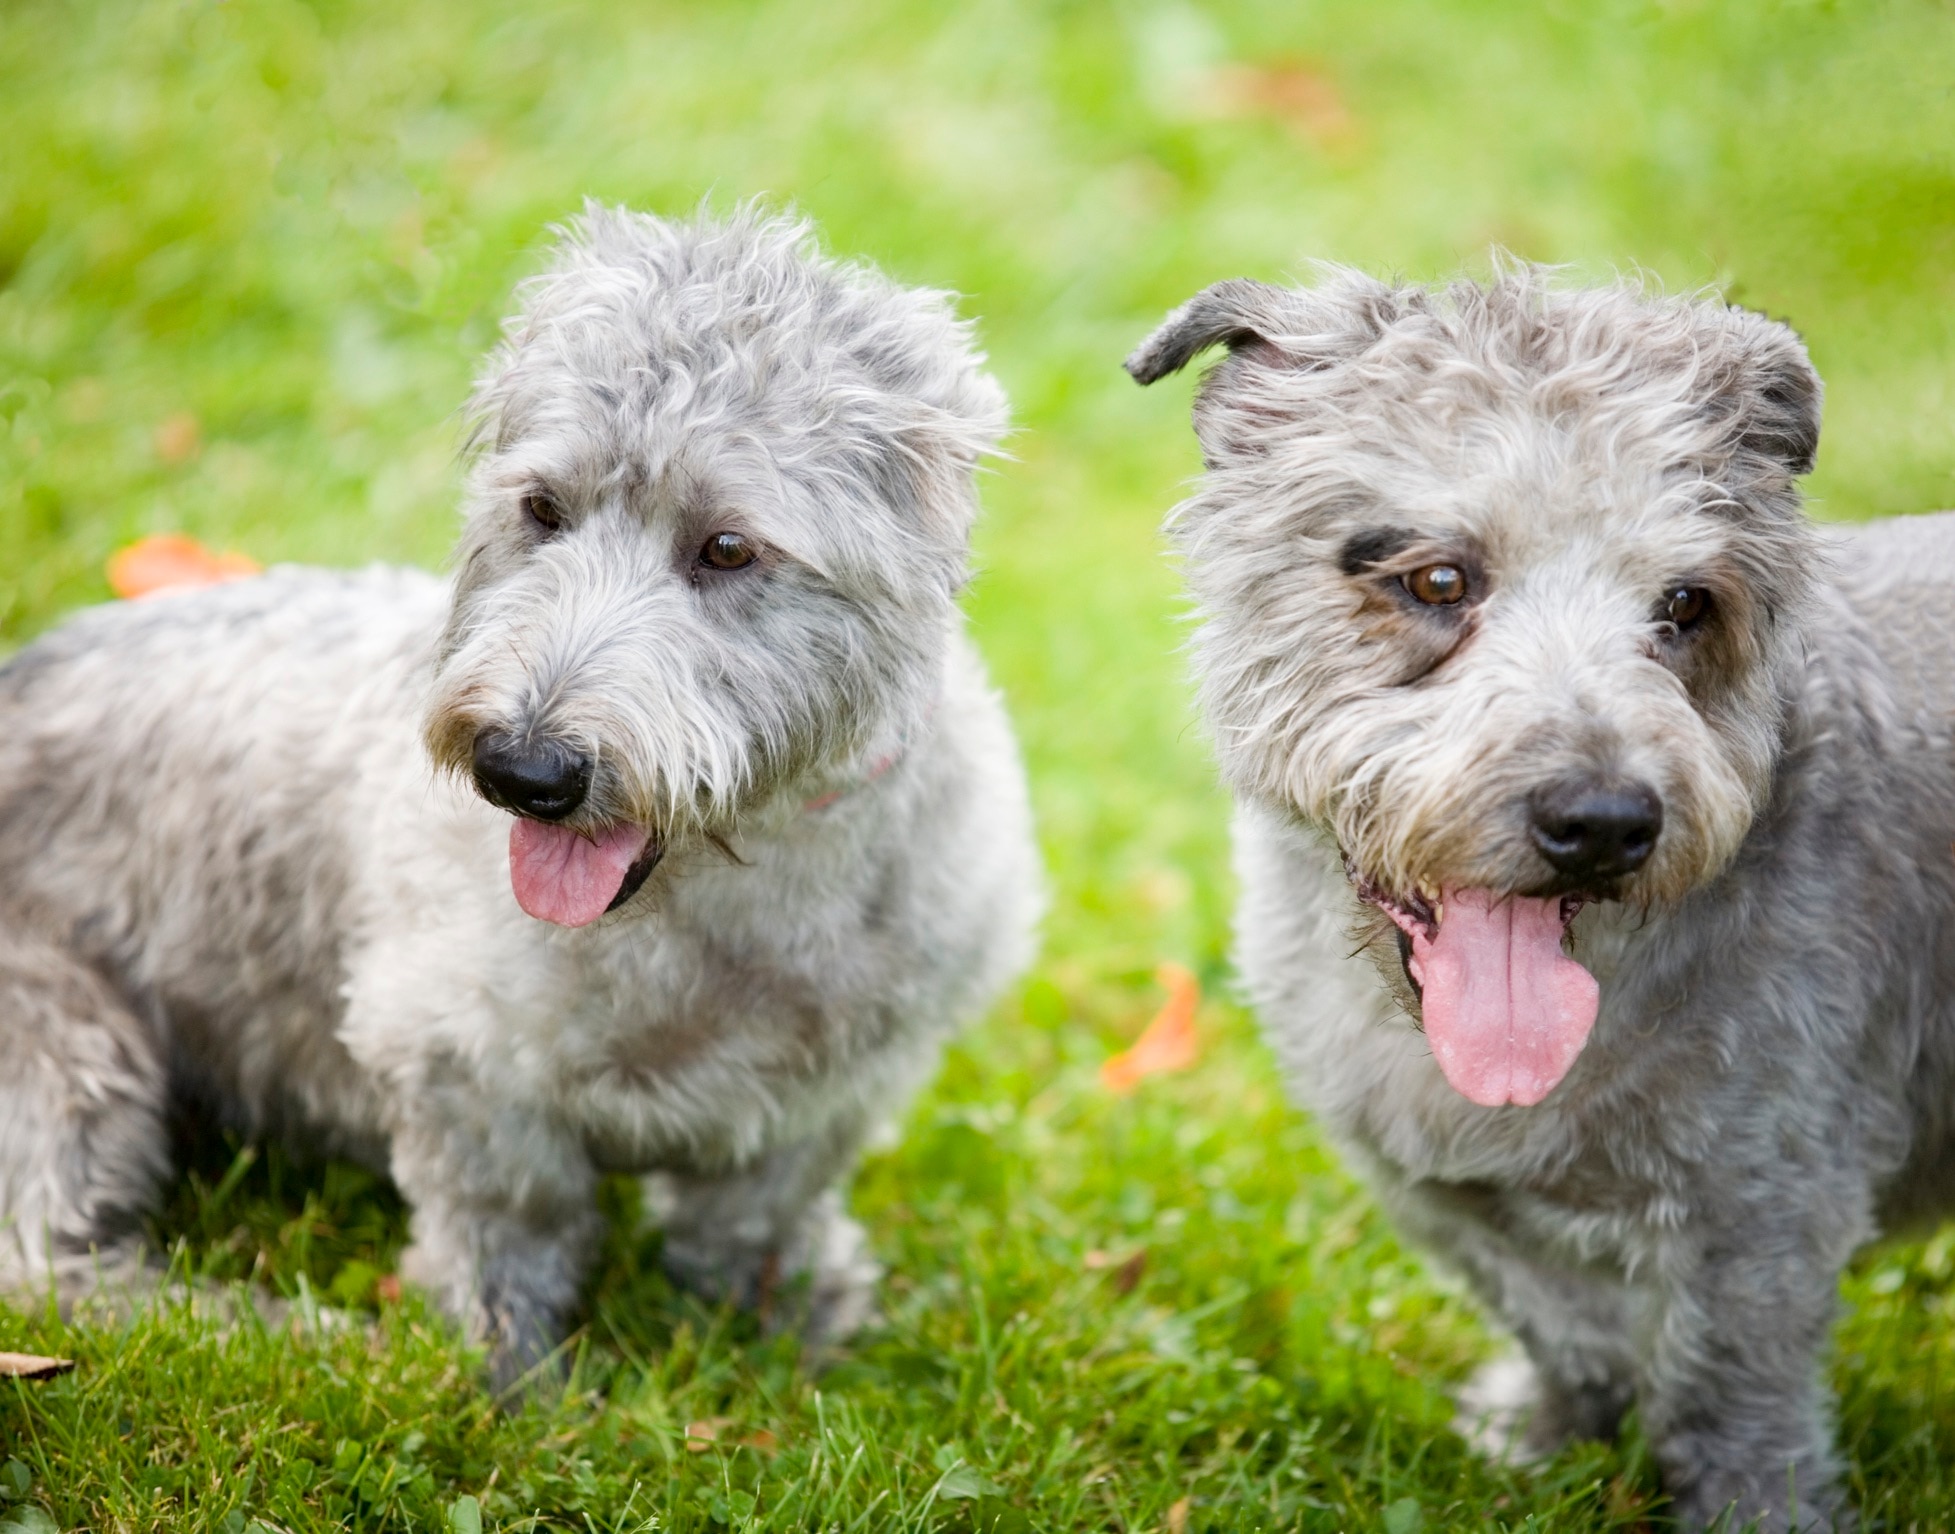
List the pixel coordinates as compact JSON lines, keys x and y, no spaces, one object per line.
{"x":1576,"y":1325}
{"x":775,"y":1236}
{"x":1734,"y":1402}
{"x":504,"y":1223}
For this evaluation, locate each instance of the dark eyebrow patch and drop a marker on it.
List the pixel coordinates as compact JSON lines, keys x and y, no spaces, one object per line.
{"x":1372,"y":546}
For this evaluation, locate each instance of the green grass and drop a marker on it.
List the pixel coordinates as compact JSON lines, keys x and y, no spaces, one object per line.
{"x":249,"y":252}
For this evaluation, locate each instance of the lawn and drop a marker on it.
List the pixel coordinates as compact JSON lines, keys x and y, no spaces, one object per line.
{"x":250,"y":251}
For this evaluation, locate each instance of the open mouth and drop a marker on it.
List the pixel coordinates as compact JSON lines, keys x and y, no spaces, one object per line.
{"x":572,"y":877}
{"x":639,"y":871}
{"x":1505,"y":1008}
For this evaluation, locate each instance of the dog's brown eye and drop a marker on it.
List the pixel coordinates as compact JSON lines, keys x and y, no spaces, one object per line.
{"x":543,"y":511}
{"x":1437,"y":585}
{"x":1685,"y":606}
{"x":726,"y":551}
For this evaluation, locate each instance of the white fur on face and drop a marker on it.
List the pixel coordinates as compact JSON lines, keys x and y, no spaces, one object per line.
{"x":1578,"y":455}
{"x":665,"y":384}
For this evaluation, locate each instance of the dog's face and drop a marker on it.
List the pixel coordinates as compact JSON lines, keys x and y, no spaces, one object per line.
{"x":719,"y":513}
{"x":1500,"y":586}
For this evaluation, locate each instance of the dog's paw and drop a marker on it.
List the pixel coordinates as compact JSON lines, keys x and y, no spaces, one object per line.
{"x":1511,"y":1414}
{"x":112,"y":1287}
{"x":818,"y":1279}
{"x":1497,"y":1410}
{"x":1758,"y":1513}
{"x":1798,"y":1500}
{"x":108,"y":1286}
{"x":843,"y":1276}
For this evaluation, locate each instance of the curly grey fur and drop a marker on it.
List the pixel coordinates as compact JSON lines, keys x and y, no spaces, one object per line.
{"x":1771,"y":1080}
{"x":229,"y":873}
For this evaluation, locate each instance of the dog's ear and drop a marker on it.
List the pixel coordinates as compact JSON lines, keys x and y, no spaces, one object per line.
{"x":1238,"y":313}
{"x":1774,"y":394}
{"x":918,"y":436}
{"x":1277,"y":338}
{"x":929,"y":455}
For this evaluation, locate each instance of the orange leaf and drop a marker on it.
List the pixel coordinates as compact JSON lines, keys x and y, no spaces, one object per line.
{"x":702,"y":1435}
{"x":164,"y":561}
{"x":1169,"y":1043}
{"x":179,"y":439}
{"x":1296,"y":92}
{"x":1127,"y":1270}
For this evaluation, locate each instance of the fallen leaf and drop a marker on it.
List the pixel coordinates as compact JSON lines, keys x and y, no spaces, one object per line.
{"x":165,"y":561}
{"x":1296,"y":92}
{"x":1178,"y":1516}
{"x":31,"y":1366}
{"x":761,"y":1442}
{"x":387,"y":1289}
{"x":1126,"y":1270}
{"x":1169,"y":1043}
{"x":178,"y":439}
{"x":702,"y":1435}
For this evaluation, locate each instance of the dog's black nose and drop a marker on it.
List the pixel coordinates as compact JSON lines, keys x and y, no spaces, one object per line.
{"x":543,"y":779}
{"x":1593,"y":832}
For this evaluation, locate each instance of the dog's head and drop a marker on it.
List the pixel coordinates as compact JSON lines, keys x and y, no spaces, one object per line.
{"x":1502,"y":586}
{"x":718,"y":514}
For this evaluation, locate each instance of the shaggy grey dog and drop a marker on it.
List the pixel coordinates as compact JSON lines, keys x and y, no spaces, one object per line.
{"x":1632,"y":795}
{"x":770,"y":838}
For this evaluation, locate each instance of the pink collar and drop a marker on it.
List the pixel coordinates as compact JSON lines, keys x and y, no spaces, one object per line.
{"x":877,"y":768}
{"x":881,"y":765}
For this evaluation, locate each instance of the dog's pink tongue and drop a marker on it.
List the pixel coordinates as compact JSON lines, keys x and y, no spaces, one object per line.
{"x":1506,"y":1011}
{"x":561,"y":876}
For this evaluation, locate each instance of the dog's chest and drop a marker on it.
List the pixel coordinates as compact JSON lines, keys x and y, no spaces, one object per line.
{"x":697,"y":1052}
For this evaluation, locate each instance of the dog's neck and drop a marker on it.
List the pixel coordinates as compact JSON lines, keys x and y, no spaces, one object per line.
{"x":877,"y":768}
{"x":880,"y":765}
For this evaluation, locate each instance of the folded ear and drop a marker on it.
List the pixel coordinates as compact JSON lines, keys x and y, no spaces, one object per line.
{"x":927,"y":452}
{"x":1237,"y":313}
{"x":1774,"y":394}
{"x":933,"y":414}
{"x":1280,"y":340}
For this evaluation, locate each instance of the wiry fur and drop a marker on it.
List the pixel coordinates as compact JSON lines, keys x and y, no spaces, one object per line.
{"x":1771,"y":1080}
{"x":230,"y":875}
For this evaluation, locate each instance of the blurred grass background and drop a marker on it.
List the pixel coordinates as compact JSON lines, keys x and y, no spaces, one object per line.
{"x":250,"y":252}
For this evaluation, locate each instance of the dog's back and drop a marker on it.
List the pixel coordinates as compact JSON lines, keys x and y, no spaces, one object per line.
{"x":1898,"y":577}
{"x":1899,"y":574}
{"x":178,"y":781}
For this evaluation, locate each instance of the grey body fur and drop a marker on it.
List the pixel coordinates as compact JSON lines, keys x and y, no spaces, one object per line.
{"x":231,"y":873}
{"x":1771,"y":1079}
